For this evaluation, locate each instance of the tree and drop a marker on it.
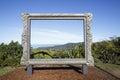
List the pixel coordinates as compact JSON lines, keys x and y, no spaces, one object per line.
{"x":10,"y":54}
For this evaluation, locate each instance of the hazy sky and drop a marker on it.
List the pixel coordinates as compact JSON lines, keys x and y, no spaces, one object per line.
{"x":56,"y":31}
{"x":105,"y":23}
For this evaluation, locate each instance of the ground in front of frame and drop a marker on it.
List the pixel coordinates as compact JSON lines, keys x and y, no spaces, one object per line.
{"x":59,"y":73}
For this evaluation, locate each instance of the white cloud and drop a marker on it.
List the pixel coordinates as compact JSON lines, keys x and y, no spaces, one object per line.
{"x":46,"y":36}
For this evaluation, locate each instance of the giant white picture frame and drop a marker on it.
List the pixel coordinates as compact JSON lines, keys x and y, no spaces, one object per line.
{"x":26,"y":39}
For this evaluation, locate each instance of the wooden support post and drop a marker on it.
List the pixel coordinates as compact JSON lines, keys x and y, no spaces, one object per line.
{"x":29,"y":70}
{"x":84,"y":69}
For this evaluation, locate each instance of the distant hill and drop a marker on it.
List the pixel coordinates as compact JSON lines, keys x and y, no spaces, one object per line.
{"x":42,"y":45}
{"x":64,"y":46}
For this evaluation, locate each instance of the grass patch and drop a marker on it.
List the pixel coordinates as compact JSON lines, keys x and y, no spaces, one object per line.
{"x":111,"y":68}
{"x":5,"y":70}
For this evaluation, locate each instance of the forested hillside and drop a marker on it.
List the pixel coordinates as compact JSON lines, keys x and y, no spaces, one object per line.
{"x":10,"y":54}
{"x":69,"y":50}
{"x":107,"y":51}
{"x":62,"y":46}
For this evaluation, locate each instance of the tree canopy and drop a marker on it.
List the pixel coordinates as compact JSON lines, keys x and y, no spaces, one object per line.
{"x":107,"y":51}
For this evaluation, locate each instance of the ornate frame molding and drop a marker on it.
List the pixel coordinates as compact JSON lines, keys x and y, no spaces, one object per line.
{"x":25,"y":60}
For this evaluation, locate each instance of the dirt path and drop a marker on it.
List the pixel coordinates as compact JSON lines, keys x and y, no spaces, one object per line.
{"x":59,"y":73}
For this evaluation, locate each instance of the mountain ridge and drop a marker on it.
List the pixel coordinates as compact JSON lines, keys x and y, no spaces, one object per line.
{"x":61,"y":46}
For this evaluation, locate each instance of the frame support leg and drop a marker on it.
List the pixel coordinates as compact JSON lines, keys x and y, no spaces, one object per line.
{"x":29,"y":70}
{"x":84,"y":69}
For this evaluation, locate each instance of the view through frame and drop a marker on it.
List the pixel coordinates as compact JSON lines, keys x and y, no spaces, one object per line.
{"x":26,"y":39}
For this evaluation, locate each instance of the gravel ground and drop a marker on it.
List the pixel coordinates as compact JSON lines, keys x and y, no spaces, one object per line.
{"x":59,"y":73}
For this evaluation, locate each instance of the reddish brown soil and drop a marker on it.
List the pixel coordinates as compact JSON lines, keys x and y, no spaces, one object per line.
{"x":59,"y":73}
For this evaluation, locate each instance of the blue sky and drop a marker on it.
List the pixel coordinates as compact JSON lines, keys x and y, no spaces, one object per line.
{"x":105,"y":23}
{"x":56,"y":31}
